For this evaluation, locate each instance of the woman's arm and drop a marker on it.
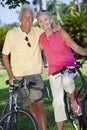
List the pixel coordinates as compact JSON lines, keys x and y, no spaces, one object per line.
{"x":72,"y":44}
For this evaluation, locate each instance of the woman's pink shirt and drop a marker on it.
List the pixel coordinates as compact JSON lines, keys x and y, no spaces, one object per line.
{"x":57,"y":52}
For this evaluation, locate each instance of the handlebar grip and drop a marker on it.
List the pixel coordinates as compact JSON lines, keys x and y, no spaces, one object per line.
{"x":7,"y":82}
{"x":14,"y":81}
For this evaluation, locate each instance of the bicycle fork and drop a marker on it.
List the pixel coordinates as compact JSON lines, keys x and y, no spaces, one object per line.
{"x":13,"y":109}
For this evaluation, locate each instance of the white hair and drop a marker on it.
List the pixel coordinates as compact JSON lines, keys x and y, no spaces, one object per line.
{"x":41,"y":12}
{"x":44,"y":12}
{"x":28,"y":7}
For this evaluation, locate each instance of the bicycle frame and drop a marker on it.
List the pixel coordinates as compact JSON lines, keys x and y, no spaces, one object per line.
{"x":84,"y":99}
{"x":83,"y":103}
{"x":12,"y":116}
{"x":12,"y":101}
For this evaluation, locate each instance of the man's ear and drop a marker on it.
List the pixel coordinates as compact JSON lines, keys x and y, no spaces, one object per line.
{"x":32,"y":19}
{"x":20,"y":18}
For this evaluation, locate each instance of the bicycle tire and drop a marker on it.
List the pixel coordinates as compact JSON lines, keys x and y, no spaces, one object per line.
{"x":77,"y":122}
{"x":19,"y":120}
{"x":71,"y":117}
{"x":1,"y":128}
{"x":84,"y":110}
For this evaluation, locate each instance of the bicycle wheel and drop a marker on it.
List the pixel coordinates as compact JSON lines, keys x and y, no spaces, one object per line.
{"x":84,"y":110}
{"x":1,"y":128}
{"x":72,"y":118}
{"x":20,"y":120}
{"x":75,"y":121}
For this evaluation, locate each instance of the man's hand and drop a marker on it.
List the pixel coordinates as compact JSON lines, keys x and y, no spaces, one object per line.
{"x":11,"y":81}
{"x":56,"y":28}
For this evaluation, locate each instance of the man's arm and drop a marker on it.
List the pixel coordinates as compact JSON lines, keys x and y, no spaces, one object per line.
{"x":8,"y":68}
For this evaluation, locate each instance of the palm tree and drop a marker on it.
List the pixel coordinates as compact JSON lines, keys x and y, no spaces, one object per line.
{"x":85,"y":1}
{"x":79,"y":5}
{"x":72,"y":7}
{"x":12,"y":3}
{"x":76,"y":3}
{"x":76,"y":25}
{"x":53,"y":7}
{"x":84,"y":4}
{"x":42,"y":4}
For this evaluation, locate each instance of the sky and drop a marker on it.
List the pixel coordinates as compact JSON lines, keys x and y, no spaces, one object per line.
{"x":9,"y":16}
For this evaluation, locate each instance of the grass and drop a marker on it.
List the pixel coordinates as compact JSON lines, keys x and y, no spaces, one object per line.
{"x":47,"y":101}
{"x":3,"y":89}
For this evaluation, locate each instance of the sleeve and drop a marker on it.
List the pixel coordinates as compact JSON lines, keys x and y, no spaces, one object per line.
{"x":7,"y":44}
{"x":41,"y":38}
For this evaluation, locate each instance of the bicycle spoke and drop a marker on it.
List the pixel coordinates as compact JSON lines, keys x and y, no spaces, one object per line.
{"x":19,"y":121}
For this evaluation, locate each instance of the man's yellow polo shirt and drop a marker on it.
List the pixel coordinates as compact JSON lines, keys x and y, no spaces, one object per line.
{"x":25,"y":60}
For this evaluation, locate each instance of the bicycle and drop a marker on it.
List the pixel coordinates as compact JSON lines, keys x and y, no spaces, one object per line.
{"x":77,"y":122}
{"x":13,"y":117}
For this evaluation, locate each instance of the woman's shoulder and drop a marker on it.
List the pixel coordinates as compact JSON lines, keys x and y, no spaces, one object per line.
{"x":43,"y":35}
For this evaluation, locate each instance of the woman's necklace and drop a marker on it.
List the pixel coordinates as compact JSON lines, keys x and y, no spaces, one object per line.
{"x":48,"y":33}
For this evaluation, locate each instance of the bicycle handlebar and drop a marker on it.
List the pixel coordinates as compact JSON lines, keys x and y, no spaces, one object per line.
{"x":78,"y":65}
{"x":14,"y":81}
{"x":16,"y":87}
{"x":81,"y":63}
{"x":71,"y":70}
{"x":19,"y":82}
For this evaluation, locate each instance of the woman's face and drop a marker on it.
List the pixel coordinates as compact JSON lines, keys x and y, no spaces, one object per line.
{"x":44,"y":21}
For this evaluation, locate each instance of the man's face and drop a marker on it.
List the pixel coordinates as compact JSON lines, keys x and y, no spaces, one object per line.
{"x":26,"y":18}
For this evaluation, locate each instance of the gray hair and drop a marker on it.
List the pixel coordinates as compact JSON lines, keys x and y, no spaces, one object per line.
{"x":28,"y":7}
{"x":48,"y":14}
{"x":44,"y":12}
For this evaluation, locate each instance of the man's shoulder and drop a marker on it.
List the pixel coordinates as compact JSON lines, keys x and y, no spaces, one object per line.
{"x":42,"y":35}
{"x":36,"y":28}
{"x":12,"y":30}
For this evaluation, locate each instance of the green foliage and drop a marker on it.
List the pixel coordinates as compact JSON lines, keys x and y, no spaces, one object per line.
{"x":74,"y":22}
{"x":47,"y":101}
{"x":35,"y":2}
{"x":76,"y":25}
{"x":72,"y":19}
{"x":12,"y":3}
{"x":3,"y":31}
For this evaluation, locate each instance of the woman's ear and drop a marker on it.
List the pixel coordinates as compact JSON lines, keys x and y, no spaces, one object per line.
{"x":52,"y":23}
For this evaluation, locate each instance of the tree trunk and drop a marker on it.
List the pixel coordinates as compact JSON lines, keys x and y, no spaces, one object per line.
{"x":43,"y":5}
